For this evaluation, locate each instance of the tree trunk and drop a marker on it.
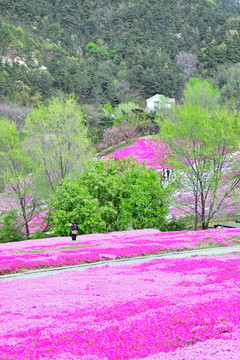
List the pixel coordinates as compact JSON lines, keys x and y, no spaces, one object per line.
{"x":196,"y":213}
{"x":26,"y":226}
{"x":203,"y":212}
{"x":25,"y":218}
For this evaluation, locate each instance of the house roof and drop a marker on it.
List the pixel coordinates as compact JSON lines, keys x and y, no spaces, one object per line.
{"x":157,"y":96}
{"x":154,"y":96}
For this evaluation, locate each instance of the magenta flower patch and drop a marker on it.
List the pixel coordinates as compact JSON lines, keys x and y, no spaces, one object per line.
{"x":163,"y":309}
{"x":154,"y":153}
{"x":55,"y":252}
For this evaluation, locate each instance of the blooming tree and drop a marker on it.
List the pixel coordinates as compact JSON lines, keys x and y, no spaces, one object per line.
{"x":202,"y":147}
{"x":123,"y":131}
{"x":188,"y":63}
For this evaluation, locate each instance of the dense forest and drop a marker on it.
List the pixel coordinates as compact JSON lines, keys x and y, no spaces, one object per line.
{"x":115,"y":51}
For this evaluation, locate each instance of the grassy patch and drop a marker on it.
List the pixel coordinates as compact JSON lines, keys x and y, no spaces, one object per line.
{"x":39,"y":250}
{"x":73,"y":247}
{"x":50,"y":249}
{"x":216,"y":244}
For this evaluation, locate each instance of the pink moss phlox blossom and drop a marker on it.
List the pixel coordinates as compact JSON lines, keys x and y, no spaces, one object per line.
{"x":154,"y":153}
{"x":161,"y":309}
{"x":54,"y":252}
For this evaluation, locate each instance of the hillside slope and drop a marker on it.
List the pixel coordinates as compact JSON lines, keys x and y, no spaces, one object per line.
{"x":112,"y":51}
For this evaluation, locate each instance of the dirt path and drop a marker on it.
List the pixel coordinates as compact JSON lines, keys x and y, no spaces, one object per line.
{"x":125,"y":261}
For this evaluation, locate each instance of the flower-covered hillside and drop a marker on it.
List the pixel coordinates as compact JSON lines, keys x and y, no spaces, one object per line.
{"x":151,"y":151}
{"x":55,"y":252}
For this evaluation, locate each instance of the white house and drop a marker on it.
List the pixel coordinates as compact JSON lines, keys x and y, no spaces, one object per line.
{"x":158,"y":102}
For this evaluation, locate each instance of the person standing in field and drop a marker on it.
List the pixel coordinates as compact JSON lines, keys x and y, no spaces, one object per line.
{"x":168,"y":173}
{"x":74,"y":230}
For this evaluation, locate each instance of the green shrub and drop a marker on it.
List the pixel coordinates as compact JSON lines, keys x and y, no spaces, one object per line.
{"x":176,"y":225}
{"x":11,"y":229}
{"x":38,"y":234}
{"x":111,"y":196}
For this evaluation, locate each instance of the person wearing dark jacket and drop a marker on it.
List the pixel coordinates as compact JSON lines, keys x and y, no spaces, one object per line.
{"x":74,"y":230}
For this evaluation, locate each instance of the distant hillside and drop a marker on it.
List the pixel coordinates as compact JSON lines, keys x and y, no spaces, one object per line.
{"x":112,"y":51}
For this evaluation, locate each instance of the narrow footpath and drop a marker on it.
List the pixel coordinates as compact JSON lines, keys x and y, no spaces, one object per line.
{"x":125,"y":261}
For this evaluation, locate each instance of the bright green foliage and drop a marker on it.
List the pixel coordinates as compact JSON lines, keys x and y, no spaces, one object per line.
{"x":201,"y":93}
{"x":201,"y":146}
{"x":15,"y":171}
{"x":11,"y":229}
{"x":211,"y":2}
{"x":111,"y":196}
{"x":101,"y":51}
{"x":57,"y":138}
{"x":72,"y":202}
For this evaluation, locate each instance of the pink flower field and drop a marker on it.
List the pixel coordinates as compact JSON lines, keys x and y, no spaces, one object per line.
{"x":154,"y":153}
{"x":54,"y":252}
{"x":162,"y":309}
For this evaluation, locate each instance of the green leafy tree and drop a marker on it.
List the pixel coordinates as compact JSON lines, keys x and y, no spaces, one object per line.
{"x":202,"y":148}
{"x":101,"y":51}
{"x":73,"y":202}
{"x":230,"y":91}
{"x":57,"y":139}
{"x":111,"y":196}
{"x":17,"y":172}
{"x":201,"y":93}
